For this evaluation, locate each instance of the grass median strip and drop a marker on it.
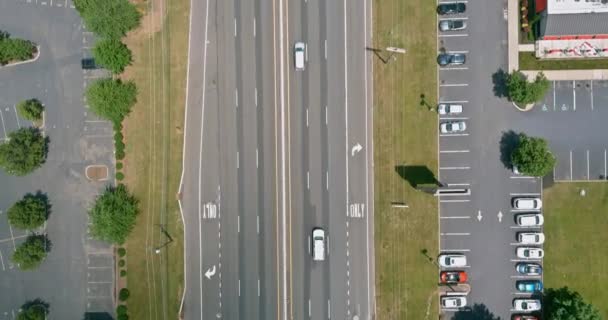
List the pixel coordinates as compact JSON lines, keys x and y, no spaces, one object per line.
{"x":575,"y":227}
{"x":405,"y":141}
{"x":528,"y":61}
{"x":154,"y":136}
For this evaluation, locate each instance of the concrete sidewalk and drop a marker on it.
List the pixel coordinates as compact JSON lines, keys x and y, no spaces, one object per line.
{"x":513,"y":34}
{"x":599,"y":74}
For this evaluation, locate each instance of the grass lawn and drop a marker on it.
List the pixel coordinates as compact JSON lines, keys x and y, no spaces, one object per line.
{"x":153,"y":134}
{"x":577,"y":236}
{"x":405,"y":134}
{"x":527,"y":61}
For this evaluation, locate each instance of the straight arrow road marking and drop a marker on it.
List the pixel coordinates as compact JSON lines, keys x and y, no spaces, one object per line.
{"x":479,"y":216}
{"x":499,"y":216}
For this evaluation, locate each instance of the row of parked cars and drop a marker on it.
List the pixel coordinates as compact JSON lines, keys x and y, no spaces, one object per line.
{"x":447,"y":25}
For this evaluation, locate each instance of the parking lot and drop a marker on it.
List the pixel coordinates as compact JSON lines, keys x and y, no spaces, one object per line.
{"x":77,"y":276}
{"x":481,"y":223}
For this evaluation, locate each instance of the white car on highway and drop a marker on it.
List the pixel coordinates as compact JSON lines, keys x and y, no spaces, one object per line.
{"x":453,"y":301}
{"x":526,"y":305}
{"x":531,"y":237}
{"x":453,"y":127}
{"x":299,"y":52}
{"x":452,"y":260}
{"x":318,"y":244}
{"x":530,"y":253}
{"x":530,"y":219}
{"x":527,"y":203}
{"x":449,"y":108}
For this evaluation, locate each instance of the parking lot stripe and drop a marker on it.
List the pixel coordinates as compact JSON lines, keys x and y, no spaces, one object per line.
{"x":463,"y":1}
{"x":522,"y":177}
{"x":574,"y":95}
{"x":453,"y":134}
{"x":458,"y":51}
{"x":453,"y":35}
{"x":525,"y":194}
{"x":3,"y":127}
{"x":454,"y":101}
{"x":454,"y":168}
{"x":525,"y":277}
{"x":529,"y":227}
{"x":526,"y":260}
{"x":454,"y":118}
{"x":588,"y":165}
{"x":456,"y":217}
{"x":455,"y":200}
{"x":453,"y":151}
{"x":570,"y":164}
{"x":456,"y":234}
{"x":455,"y":250}
{"x":458,"y":184}
{"x":17,"y":116}
{"x":454,"y":85}
{"x":453,"y":68}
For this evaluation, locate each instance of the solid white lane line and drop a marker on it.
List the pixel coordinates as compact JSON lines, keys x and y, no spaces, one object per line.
{"x":529,"y":227}
{"x":456,"y":234}
{"x":3,"y":127}
{"x":306,"y":117}
{"x":328,"y":309}
{"x":2,"y":260}
{"x":308,"y":179}
{"x":454,"y":151}
{"x":588,"y":177}
{"x":525,"y":277}
{"x":456,"y":217}
{"x":327,"y":180}
{"x":454,"y":168}
{"x":453,"y":118}
{"x":12,"y":237}
{"x":239,"y":287}
{"x":522,"y":177}
{"x":309,"y":308}
{"x":554,"y":96}
{"x":570,"y":164}
{"x":458,"y":51}
{"x":453,"y":68}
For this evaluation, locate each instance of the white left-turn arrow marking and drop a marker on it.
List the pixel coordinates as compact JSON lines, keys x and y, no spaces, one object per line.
{"x":210,"y":272}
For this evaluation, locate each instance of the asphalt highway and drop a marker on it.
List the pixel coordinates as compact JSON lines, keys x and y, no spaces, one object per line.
{"x":271,"y":153}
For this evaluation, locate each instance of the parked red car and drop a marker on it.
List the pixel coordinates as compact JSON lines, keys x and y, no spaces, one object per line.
{"x":453,"y":277}
{"x":524,"y":317}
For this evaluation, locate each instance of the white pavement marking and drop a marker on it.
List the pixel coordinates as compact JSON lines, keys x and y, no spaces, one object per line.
{"x":254,"y":27}
{"x":255,"y":97}
{"x":239,"y":287}
{"x":528,"y":227}
{"x":238,"y":224}
{"x":570,"y":164}
{"x":236,"y":97}
{"x":454,"y":135}
{"x":456,"y":234}
{"x":588,"y":165}
{"x":308,"y":179}
{"x":454,"y":168}
{"x":526,"y":260}
{"x":454,"y":151}
{"x":306,"y":117}
{"x":325,"y":48}
{"x":12,"y":237}
{"x":257,"y":159}
{"x":458,"y":184}
{"x":458,"y":51}
{"x":524,"y":194}
{"x":522,"y":177}
{"x":453,"y":68}
{"x":454,"y":85}
{"x":258,"y":224}
{"x":326,"y":117}
{"x":285,"y":299}
{"x":525,"y":277}
{"x":235,"y":27}
{"x":327,"y":180}
{"x":591,"y":94}
{"x":554,"y":96}
{"x":17,"y":116}
{"x":454,"y":101}
{"x":309,"y":308}
{"x":2,"y":260}
{"x":328,"y":309}
{"x":605,"y":167}
{"x":456,"y":250}
{"x":574,"y":95}
{"x":453,"y":35}
{"x":258,"y":287}
{"x":3,"y":127}
{"x":237,"y":160}
{"x":456,"y":217}
{"x":457,"y":200}
{"x":453,"y":118}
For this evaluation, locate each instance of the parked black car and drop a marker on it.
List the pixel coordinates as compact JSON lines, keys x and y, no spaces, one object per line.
{"x":451,"y":8}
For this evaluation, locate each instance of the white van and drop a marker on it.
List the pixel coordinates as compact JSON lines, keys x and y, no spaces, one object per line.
{"x":318,"y":244}
{"x":299,"y":55}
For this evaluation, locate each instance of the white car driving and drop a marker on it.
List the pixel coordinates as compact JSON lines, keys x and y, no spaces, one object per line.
{"x":531,"y":237}
{"x":452,"y":260}
{"x":299,"y":51}
{"x":449,"y":108}
{"x":453,"y":301}
{"x":453,"y":127}
{"x":318,"y":244}
{"x":530,"y":219}
{"x":526,"y":305}
{"x":527,"y":203}
{"x":530,"y":253}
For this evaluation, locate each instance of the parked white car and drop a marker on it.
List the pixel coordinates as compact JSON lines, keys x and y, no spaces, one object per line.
{"x":453,"y":301}
{"x":452,"y":260}
{"x":526,"y":305}
{"x":530,"y":219}
{"x":531,"y":237}
{"x":530,"y":253}
{"x":449,"y":108}
{"x":453,"y":127}
{"x":527,"y":203}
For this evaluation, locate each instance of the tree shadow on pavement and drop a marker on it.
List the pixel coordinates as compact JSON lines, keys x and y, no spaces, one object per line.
{"x":499,"y":78}
{"x":97,"y":316}
{"x":416,"y":175}
{"x":476,"y":312}
{"x":508,"y":143}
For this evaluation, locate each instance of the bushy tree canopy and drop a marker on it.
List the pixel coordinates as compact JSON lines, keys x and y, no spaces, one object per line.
{"x":15,"y":49}
{"x":108,"y":18}
{"x":523,"y":92}
{"x":31,"y":253}
{"x":30,"y":109}
{"x":111,"y":99}
{"x":113,"y":215}
{"x":33,"y":310}
{"x":112,"y":55}
{"x":565,"y":304}
{"x":24,"y":152}
{"x":533,"y":157}
{"x":28,"y":213}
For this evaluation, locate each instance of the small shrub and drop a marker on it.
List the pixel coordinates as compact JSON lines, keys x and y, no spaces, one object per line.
{"x":120,"y":154}
{"x":120,"y":176}
{"x":118,"y":165}
{"x":123,"y":294}
{"x":30,"y":109}
{"x":123,"y":273}
{"x":121,"y":252}
{"x":122,"y":317}
{"x":121,"y":309}
{"x":121,"y":263}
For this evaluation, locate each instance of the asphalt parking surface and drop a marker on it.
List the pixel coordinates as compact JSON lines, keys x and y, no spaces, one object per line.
{"x":77,"y":277}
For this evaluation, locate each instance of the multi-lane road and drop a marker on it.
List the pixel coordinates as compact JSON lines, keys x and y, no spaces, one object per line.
{"x":271,"y":153}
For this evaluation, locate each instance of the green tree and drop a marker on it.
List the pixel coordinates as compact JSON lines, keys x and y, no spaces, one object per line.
{"x":30,"y":109}
{"x":24,"y":152}
{"x":32,"y":252}
{"x":523,"y":92}
{"x":532,"y":156}
{"x":33,"y":310}
{"x":29,"y":213}
{"x":111,"y":99}
{"x":112,"y":54}
{"x":113,"y":214}
{"x":565,"y":304}
{"x":108,"y":18}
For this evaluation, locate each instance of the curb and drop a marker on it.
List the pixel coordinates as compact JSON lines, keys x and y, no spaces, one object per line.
{"x":24,"y":62}
{"x":526,"y":109}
